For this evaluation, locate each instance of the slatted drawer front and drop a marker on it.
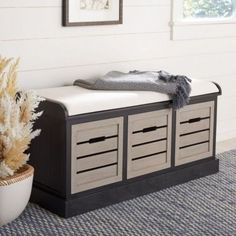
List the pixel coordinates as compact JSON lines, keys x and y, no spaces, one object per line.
{"x":149,"y":141}
{"x":194,"y":132}
{"x":96,"y":154}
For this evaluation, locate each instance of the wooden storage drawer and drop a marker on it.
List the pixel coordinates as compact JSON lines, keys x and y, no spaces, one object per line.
{"x":96,"y":154}
{"x":149,"y":142}
{"x":194,"y":132}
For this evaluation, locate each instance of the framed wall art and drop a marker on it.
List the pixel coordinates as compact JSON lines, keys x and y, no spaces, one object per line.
{"x":92,"y":12}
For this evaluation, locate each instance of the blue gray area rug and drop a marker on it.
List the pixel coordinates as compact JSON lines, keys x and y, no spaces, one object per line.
{"x":202,"y":207}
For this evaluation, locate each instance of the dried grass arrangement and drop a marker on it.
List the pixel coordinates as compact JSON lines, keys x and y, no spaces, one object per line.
{"x":17,"y":117}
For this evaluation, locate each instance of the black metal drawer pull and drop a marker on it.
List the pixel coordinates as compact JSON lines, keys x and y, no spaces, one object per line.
{"x":149,"y":129}
{"x":194,"y":120}
{"x":96,"y":140}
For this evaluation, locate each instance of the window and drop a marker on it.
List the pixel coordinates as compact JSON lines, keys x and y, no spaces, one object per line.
{"x":208,"y":8}
{"x":193,"y":19}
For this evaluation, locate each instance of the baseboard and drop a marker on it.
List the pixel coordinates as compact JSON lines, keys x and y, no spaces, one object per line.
{"x":226,"y":145}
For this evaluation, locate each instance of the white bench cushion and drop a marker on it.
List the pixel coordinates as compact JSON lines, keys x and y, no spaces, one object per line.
{"x":79,"y":100}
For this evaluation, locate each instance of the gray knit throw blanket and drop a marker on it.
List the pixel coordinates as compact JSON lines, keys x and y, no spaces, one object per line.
{"x":177,"y":86}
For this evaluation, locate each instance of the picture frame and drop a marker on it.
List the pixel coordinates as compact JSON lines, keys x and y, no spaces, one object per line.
{"x":92,"y":12}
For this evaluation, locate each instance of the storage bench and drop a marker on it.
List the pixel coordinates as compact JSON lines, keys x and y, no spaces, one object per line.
{"x":97,"y":148}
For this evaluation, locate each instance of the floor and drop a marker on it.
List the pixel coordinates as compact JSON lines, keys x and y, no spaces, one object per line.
{"x":202,"y":207}
{"x":226,"y":145}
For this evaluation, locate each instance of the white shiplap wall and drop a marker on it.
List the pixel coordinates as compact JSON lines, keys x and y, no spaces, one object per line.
{"x":52,"y":55}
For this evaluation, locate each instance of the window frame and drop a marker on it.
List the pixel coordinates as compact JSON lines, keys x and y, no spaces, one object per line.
{"x":199,"y":28}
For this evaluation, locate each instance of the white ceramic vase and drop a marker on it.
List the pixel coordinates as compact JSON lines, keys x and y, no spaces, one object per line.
{"x":15,"y":193}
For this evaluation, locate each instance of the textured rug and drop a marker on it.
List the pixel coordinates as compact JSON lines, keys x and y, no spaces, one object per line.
{"x":202,"y":207}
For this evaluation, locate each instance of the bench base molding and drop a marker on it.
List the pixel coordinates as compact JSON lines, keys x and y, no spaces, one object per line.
{"x":122,"y":191}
